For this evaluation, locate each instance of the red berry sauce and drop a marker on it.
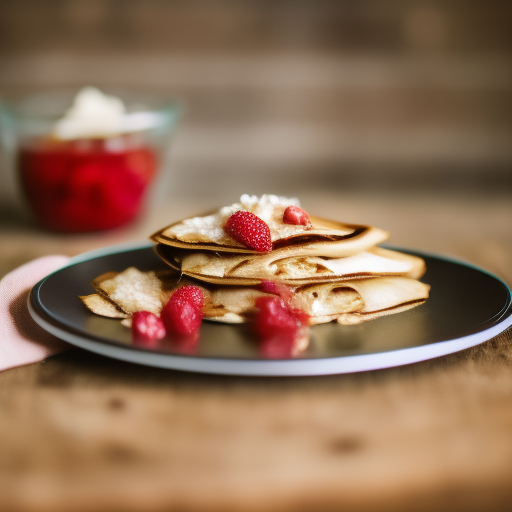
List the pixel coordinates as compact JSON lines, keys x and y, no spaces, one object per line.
{"x":85,"y":185}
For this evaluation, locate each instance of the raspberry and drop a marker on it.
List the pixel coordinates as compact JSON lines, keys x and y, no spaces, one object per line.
{"x":183,"y":313}
{"x":274,"y":316}
{"x":297,"y":216}
{"x":250,"y":230}
{"x":147,"y":326}
{"x":276,"y":288}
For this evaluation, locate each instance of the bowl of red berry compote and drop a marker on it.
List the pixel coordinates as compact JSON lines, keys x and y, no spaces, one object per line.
{"x":87,"y":160}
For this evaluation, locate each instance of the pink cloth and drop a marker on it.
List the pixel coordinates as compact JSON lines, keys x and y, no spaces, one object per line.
{"x":22,"y":341}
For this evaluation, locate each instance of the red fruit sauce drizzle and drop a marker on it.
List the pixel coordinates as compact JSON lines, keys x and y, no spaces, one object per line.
{"x":84,"y":185}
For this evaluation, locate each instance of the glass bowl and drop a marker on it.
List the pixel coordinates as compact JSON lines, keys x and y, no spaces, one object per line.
{"x":80,"y":178}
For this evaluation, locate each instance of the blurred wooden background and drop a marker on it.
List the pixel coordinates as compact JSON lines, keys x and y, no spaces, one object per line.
{"x":394,"y":113}
{"x":283,"y":94}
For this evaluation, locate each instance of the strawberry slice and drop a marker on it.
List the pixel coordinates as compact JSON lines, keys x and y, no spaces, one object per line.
{"x":297,"y":216}
{"x":249,"y":230}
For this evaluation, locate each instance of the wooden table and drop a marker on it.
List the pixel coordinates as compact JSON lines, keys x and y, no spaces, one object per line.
{"x":80,"y":432}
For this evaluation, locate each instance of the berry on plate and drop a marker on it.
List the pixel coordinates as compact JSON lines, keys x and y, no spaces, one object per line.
{"x":147,"y":326}
{"x":183,"y":313}
{"x":274,"y":315}
{"x":283,"y":331}
{"x":191,"y":294}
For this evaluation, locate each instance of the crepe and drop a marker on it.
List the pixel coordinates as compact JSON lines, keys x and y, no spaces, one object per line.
{"x":102,"y":306}
{"x":343,"y":239}
{"x":335,"y":270}
{"x":132,"y":290}
{"x":349,"y":302}
{"x":207,"y":232}
{"x":289,"y":265}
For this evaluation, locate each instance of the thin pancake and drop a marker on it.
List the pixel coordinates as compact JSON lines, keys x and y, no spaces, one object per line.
{"x":323,"y":238}
{"x":288,"y":266}
{"x":350,"y":302}
{"x":385,"y":296}
{"x":102,"y":306}
{"x":133,"y":290}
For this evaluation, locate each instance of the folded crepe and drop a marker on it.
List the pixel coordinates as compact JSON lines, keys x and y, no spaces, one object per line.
{"x":119,"y":295}
{"x":289,"y":265}
{"x":321,"y":238}
{"x":335,"y":270}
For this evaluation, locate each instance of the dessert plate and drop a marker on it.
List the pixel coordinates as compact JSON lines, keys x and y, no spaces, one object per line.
{"x":467,"y":306}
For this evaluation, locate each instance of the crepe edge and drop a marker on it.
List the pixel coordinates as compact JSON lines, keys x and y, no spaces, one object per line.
{"x":357,"y":230}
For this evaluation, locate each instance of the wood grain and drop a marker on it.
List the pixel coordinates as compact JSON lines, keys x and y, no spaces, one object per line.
{"x":81,"y":432}
{"x":273,"y":85}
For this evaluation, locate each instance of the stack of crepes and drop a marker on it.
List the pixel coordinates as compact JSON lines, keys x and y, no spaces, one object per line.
{"x":334,"y":271}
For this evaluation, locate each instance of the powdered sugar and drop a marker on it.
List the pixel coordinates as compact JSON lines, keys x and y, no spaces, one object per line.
{"x":268,"y":208}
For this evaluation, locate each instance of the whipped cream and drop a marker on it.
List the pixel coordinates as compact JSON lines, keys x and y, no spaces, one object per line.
{"x":268,"y":208}
{"x":97,"y":115}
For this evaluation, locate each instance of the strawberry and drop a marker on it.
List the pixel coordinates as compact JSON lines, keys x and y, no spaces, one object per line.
{"x":282,"y":330}
{"x":183,"y":313}
{"x":250,"y":230}
{"x":297,"y":216}
{"x":274,"y":316}
{"x":276,"y":288}
{"x":189,"y":293}
{"x":147,"y":326}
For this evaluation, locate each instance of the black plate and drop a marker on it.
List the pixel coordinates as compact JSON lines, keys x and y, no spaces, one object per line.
{"x":466,"y":306}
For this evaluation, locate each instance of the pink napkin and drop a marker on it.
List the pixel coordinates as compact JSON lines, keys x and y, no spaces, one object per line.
{"x":22,"y":341}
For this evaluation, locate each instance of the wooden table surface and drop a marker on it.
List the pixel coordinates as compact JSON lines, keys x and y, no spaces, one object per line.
{"x":80,"y":432}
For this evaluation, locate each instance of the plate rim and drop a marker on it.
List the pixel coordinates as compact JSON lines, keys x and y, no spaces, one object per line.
{"x":271,"y":367}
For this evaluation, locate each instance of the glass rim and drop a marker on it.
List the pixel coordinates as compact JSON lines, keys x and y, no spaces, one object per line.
{"x":146,"y":109}
{"x":20,"y":104}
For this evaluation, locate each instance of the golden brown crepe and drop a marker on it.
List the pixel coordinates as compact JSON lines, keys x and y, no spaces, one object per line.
{"x":289,"y":266}
{"x":348,"y":302}
{"x":335,"y":270}
{"x":342,"y":239}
